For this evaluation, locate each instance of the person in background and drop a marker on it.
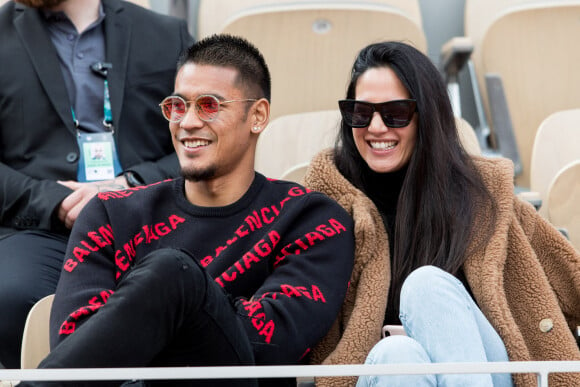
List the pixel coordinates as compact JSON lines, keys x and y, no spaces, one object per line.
{"x":219,"y":267}
{"x":444,"y":247}
{"x":77,"y":76}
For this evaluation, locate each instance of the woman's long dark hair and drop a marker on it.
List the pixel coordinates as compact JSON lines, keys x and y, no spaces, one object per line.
{"x":442,"y":187}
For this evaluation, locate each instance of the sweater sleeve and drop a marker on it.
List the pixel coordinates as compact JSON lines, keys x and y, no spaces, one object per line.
{"x":310,"y":267}
{"x":88,"y":275}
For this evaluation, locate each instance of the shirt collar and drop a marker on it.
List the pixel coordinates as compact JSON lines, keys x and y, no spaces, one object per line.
{"x":60,"y":16}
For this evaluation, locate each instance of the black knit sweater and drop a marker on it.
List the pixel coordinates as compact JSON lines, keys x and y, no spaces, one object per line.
{"x":284,"y":254}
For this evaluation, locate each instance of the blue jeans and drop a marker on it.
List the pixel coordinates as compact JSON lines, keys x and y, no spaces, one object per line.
{"x":443,"y":324}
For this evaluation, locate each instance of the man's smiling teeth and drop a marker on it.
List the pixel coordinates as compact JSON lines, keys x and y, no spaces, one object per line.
{"x":383,"y":144}
{"x":195,"y":143}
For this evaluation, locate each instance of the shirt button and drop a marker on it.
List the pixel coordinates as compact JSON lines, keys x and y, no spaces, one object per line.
{"x":80,"y":55}
{"x":70,"y":37}
{"x":72,"y":157}
{"x":546,"y":325}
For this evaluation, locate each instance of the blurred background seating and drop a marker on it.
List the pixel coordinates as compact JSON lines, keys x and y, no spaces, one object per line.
{"x":310,"y":46}
{"x":509,"y":64}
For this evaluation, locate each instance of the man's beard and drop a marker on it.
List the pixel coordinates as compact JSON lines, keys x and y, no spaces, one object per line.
{"x":192,"y":174}
{"x":40,"y":3}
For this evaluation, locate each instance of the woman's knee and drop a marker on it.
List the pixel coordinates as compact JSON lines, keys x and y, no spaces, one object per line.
{"x":423,"y":283}
{"x":397,"y":349}
{"x":392,"y":350}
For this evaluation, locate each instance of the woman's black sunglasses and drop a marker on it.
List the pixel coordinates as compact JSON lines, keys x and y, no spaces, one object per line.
{"x":395,"y":114}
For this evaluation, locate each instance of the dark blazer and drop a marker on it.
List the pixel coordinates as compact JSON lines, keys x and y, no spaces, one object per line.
{"x":37,"y":135}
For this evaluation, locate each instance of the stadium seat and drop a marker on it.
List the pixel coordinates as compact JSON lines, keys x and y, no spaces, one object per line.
{"x":478,"y":15}
{"x":293,"y":140}
{"x":468,"y":137}
{"x":213,"y":14}
{"x":295,"y":173}
{"x":563,"y":199}
{"x":35,"y":341}
{"x":556,"y":143}
{"x":310,"y":46}
{"x":535,"y":52}
{"x":524,"y":57}
{"x":289,"y":142}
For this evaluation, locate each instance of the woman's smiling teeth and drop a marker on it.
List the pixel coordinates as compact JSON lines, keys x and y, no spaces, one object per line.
{"x":383,"y":144}
{"x":195,"y":143}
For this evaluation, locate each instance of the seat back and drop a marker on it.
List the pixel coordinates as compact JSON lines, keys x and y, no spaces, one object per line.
{"x":467,"y":137}
{"x":310,"y":46}
{"x":213,"y":14}
{"x":480,"y":14}
{"x":563,"y":199}
{"x":296,"y":173}
{"x":35,"y":341}
{"x":293,"y":140}
{"x":289,"y":142}
{"x":556,"y":143}
{"x":532,"y":46}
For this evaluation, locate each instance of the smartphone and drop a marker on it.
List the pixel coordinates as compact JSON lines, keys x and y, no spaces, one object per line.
{"x":391,"y":330}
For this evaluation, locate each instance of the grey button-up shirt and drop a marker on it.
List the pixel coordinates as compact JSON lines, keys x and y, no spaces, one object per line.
{"x":77,"y":52}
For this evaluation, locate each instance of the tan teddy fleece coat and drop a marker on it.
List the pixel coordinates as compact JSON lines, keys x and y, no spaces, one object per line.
{"x":525,"y":273}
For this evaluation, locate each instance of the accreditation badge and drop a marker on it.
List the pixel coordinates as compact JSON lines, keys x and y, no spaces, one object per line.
{"x":98,"y":160}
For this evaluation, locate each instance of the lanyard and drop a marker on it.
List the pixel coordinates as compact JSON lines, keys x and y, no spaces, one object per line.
{"x":98,"y":153}
{"x":101,"y":69}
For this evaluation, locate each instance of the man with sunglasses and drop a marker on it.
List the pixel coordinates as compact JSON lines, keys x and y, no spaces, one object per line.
{"x":219,"y":267}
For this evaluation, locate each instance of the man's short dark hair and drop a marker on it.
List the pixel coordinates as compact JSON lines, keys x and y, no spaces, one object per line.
{"x":235,"y":52}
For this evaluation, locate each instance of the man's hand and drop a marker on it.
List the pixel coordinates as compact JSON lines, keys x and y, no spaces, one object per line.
{"x":72,"y":205}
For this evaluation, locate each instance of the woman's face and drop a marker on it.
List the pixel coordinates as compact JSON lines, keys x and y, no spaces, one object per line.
{"x":384,"y":149}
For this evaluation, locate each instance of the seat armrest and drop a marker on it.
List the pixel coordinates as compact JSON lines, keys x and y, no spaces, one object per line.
{"x":454,"y":55}
{"x":531,"y":197}
{"x":503,"y":130}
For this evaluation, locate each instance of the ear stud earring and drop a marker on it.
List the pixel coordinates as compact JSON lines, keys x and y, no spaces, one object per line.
{"x":255,"y":128}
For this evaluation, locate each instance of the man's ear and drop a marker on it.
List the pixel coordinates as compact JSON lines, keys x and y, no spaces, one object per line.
{"x":260,"y":115}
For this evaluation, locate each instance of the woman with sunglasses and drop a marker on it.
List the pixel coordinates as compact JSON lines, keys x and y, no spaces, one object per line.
{"x":444,"y":247}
